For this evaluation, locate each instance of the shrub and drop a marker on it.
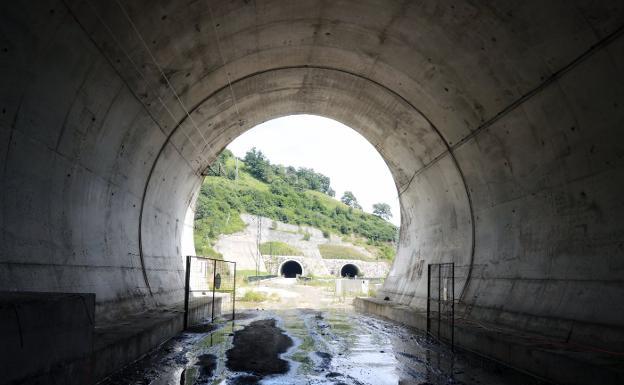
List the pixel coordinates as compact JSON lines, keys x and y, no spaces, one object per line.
{"x":254,"y":296}
{"x":258,"y":296}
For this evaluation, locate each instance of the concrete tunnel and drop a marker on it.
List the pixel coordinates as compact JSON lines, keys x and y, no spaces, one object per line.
{"x":501,"y":124}
{"x":349,"y":270}
{"x":290,"y":269}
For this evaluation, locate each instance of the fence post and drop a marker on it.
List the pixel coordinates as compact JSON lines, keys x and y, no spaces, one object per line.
{"x":234,"y":295}
{"x":214,"y":279}
{"x":187,"y":289}
{"x":453,"y":307}
{"x":439,"y":299}
{"x":429,"y":299}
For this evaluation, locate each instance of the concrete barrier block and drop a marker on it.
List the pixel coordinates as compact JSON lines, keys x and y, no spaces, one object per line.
{"x":46,"y":335}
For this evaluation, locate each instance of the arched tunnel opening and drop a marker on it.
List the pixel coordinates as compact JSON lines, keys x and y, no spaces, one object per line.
{"x":349,"y":270}
{"x":502,"y":131}
{"x":291,"y":269}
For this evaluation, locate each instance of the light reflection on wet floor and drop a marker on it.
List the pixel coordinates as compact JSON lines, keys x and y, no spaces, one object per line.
{"x":330,"y":347}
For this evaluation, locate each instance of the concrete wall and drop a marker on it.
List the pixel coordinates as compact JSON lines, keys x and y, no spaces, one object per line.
{"x":46,"y":338}
{"x":500,"y":122}
{"x":367,"y":269}
{"x":351,"y":287}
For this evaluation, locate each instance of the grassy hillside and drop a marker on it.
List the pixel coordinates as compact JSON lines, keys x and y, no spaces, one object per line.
{"x":341,"y":252}
{"x":278,"y":248}
{"x":292,"y":196}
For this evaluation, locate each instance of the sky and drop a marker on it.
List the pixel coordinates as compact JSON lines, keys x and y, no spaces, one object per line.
{"x":329,"y":147}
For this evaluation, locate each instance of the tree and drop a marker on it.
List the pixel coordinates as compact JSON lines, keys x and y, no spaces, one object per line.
{"x":258,"y":165}
{"x":382,"y":210}
{"x":350,"y":200}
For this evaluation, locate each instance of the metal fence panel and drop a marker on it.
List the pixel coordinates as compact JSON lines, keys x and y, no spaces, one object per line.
{"x":209,"y":284}
{"x":441,"y":301}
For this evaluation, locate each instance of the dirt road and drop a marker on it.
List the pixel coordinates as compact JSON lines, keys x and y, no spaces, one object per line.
{"x":288,"y":293}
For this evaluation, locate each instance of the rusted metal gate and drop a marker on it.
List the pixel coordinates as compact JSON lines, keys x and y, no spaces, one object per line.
{"x":441,"y":302}
{"x":210,"y":289}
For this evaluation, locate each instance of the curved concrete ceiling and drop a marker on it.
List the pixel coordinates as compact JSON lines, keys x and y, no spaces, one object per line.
{"x":500,"y":122}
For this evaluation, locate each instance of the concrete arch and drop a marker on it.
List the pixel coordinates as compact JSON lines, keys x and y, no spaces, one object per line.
{"x":504,"y":143}
{"x":346,"y":89}
{"x":349,"y":270}
{"x":290,"y":268}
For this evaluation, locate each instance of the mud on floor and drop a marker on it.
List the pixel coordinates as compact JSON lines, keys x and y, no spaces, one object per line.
{"x":302,"y":346}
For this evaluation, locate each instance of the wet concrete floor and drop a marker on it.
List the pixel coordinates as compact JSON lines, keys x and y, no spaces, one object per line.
{"x":302,"y":346}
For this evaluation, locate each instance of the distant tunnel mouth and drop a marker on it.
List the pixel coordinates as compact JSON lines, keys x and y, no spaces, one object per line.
{"x":349,"y":271}
{"x":291,"y":269}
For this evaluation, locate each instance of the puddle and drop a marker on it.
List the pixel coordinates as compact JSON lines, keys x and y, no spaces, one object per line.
{"x":257,"y":348}
{"x":207,"y":364}
{"x":302,"y":346}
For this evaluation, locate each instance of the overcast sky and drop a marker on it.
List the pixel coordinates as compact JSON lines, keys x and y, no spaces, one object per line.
{"x":329,"y":147}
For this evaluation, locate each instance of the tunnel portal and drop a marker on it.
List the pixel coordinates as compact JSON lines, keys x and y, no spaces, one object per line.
{"x":290,"y":269}
{"x":502,"y":130}
{"x":349,"y":271}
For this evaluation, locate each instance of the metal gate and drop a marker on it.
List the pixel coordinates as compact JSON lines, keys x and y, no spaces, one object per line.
{"x":441,"y":302}
{"x":210,"y":289}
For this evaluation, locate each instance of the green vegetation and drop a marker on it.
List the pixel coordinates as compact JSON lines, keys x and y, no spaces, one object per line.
{"x":278,"y":248}
{"x":259,"y":166}
{"x":382,"y":210}
{"x":329,"y":251}
{"x":258,"y":296}
{"x":350,"y":200}
{"x":296,"y":196}
{"x":204,"y":249}
{"x":385,"y":251}
{"x":241,"y":276}
{"x":213,"y":216}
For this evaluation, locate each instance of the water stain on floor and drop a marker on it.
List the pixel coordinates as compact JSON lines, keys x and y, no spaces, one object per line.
{"x":303,"y":346}
{"x":207,"y":364}
{"x":257,"y":349}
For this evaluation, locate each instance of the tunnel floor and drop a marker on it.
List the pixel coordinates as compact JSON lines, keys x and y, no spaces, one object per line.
{"x":303,"y":346}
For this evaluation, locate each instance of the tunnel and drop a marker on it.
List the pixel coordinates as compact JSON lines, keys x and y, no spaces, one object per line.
{"x":349,"y":270}
{"x":290,"y":269}
{"x":501,"y":124}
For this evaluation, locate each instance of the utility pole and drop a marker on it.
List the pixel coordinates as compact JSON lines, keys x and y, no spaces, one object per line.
{"x":271,"y":258}
{"x":258,"y":241}
{"x":236,"y":175}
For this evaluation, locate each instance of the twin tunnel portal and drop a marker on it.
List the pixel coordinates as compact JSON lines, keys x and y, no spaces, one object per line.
{"x":292,"y":269}
{"x":501,"y":123}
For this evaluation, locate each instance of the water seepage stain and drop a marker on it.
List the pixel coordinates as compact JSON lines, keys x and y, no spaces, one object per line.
{"x":325,"y":360}
{"x":256,"y":350}
{"x":207,"y":364}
